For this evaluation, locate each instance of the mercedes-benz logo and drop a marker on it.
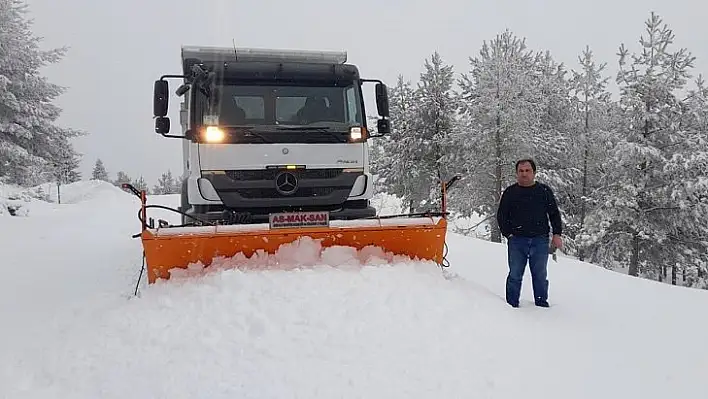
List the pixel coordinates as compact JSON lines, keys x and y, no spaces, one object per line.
{"x":285,"y":150}
{"x":286,"y":183}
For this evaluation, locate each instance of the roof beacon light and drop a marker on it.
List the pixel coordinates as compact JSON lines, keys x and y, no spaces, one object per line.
{"x":229,"y":54}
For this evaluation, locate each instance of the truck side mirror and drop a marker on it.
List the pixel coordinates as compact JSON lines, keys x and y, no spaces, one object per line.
{"x":382,"y":99}
{"x":383,"y":126}
{"x":160,"y":98}
{"x":162,"y":125}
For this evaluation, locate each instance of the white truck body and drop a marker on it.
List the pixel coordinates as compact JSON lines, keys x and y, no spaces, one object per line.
{"x":272,"y":131}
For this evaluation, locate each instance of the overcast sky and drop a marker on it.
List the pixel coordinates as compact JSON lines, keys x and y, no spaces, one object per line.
{"x":118,"y":48}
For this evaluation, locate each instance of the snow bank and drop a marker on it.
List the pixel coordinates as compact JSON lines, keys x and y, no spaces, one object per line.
{"x":84,"y":190}
{"x":20,"y":201}
{"x":14,"y":204}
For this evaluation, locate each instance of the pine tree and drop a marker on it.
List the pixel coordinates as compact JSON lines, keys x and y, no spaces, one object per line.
{"x":166,"y":184}
{"x":553,"y":139}
{"x":29,"y":140}
{"x":500,"y":106}
{"x":592,"y":125}
{"x":99,"y":171}
{"x":649,"y":213}
{"x":687,"y":169}
{"x":378,"y":162}
{"x":122,"y":178}
{"x":140,"y":184}
{"x":435,"y":124}
{"x":66,"y":167}
{"x":418,"y":152}
{"x":393,"y":159}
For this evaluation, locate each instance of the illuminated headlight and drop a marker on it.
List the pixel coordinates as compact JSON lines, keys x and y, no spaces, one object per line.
{"x":357,"y":133}
{"x":213,"y":134}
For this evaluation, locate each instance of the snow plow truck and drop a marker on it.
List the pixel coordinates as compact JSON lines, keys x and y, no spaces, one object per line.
{"x":275,"y":146}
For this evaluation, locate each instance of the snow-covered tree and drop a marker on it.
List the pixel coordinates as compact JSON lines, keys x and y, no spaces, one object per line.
{"x":66,"y":166}
{"x":140,"y":184}
{"x":687,"y":169}
{"x":166,"y":184}
{"x":378,"y":162}
{"x":592,"y":141}
{"x":393,"y":156}
{"x":652,"y":213}
{"x":99,"y":171}
{"x":29,"y":139}
{"x":553,"y":140}
{"x":500,"y":104}
{"x":417,"y":153}
{"x":435,"y":124}
{"x":122,"y":178}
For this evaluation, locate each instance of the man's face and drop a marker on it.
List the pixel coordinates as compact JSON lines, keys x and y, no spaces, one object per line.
{"x":524,"y":174}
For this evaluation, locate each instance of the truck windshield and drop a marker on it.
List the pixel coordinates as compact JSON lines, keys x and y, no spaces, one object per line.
{"x":334,"y":106}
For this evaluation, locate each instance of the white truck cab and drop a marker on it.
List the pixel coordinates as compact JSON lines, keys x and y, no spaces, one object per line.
{"x":271,"y":131}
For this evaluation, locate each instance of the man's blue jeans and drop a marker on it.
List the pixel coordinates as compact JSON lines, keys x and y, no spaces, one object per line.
{"x":533,"y":250}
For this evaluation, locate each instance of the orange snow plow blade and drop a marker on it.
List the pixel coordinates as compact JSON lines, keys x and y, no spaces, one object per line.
{"x":417,"y":236}
{"x":178,"y":247}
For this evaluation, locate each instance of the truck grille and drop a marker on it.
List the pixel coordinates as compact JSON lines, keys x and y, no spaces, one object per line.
{"x":272,"y":193}
{"x":269,"y":174}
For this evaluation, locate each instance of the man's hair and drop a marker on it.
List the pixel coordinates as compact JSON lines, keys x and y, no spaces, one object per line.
{"x":529,"y":160}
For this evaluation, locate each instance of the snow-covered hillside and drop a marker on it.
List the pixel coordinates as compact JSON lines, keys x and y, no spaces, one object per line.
{"x":72,"y":329}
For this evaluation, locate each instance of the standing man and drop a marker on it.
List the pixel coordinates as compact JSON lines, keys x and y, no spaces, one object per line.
{"x":523,"y":216}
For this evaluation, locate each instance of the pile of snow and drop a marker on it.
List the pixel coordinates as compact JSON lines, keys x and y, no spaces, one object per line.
{"x":19,"y":201}
{"x":13,"y":202}
{"x":304,"y":253}
{"x":334,"y":323}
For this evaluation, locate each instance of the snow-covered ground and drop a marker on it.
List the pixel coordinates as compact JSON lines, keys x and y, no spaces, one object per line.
{"x":72,"y":329}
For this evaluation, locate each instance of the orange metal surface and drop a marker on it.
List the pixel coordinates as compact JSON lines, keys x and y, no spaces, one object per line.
{"x":164,"y":252}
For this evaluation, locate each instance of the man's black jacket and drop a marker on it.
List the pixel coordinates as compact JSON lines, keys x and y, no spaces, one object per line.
{"x":525,"y":211}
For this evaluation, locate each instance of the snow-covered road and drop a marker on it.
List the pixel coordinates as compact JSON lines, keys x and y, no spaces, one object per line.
{"x":71,"y":328}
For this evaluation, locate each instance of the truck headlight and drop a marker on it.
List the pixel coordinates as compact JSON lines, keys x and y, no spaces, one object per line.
{"x":214,"y":134}
{"x":357,"y":133}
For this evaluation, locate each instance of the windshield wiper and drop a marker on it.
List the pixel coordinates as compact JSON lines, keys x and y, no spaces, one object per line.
{"x":251,"y":133}
{"x":316,"y":128}
{"x":331,"y":131}
{"x":246,"y":131}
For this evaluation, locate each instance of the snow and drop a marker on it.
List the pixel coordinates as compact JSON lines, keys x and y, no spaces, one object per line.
{"x":335,"y":323}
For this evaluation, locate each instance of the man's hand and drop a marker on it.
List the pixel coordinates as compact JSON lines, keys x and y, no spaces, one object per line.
{"x":556,"y":241}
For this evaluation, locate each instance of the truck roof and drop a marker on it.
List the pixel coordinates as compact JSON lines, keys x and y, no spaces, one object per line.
{"x":210,"y":54}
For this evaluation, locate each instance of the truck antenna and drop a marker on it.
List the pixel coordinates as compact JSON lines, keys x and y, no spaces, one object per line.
{"x":234,"y":43}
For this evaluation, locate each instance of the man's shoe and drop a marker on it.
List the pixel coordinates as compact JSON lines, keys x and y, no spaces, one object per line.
{"x":513,"y":304}
{"x":542,"y":303}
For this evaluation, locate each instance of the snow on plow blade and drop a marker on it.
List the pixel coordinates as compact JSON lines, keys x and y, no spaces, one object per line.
{"x":178,"y":247}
